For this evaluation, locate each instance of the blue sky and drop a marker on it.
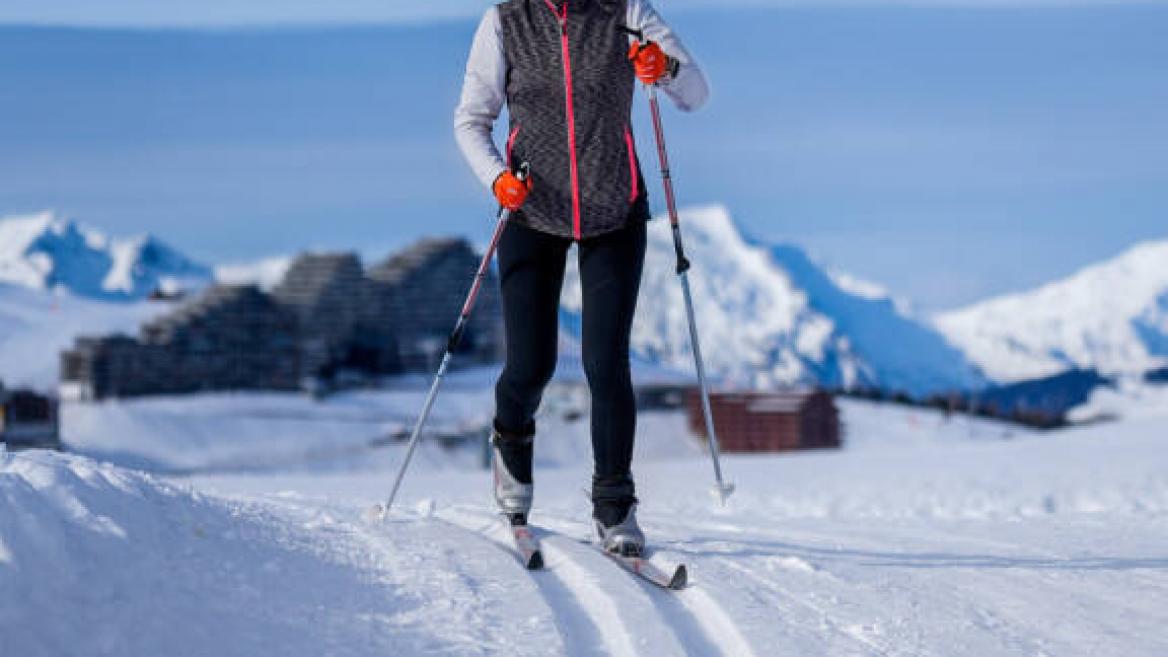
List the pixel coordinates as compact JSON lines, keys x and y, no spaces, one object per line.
{"x":267,"y":12}
{"x":947,"y":153}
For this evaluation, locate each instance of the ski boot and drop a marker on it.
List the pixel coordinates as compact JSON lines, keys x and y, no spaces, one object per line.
{"x":625,"y":537}
{"x":511,"y":463}
{"x":614,"y":510}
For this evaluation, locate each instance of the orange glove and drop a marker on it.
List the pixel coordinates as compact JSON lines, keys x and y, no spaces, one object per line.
{"x":650,"y":62}
{"x":510,"y":190}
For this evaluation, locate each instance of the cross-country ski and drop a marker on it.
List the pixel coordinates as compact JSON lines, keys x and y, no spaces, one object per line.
{"x":527,"y":546}
{"x":667,"y":577}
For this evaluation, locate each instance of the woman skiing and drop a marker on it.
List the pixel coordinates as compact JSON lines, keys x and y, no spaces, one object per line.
{"x":567,"y":72}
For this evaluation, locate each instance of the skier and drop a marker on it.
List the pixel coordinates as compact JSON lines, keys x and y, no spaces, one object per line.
{"x":567,"y":72}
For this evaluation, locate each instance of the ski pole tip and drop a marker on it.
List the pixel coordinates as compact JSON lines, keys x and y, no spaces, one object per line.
{"x":375,"y":514}
{"x":723,"y":492}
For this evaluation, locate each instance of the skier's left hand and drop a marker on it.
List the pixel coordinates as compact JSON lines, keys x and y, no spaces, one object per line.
{"x":650,"y":62}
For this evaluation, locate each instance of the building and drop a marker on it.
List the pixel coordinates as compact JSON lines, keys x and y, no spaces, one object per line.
{"x":326,"y":320}
{"x":337,"y":319}
{"x":28,"y":420}
{"x":428,"y":284}
{"x":232,"y":337}
{"x":768,"y":421}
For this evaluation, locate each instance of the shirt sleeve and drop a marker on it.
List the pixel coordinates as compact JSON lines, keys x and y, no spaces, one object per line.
{"x":484,"y":92}
{"x":689,"y":89}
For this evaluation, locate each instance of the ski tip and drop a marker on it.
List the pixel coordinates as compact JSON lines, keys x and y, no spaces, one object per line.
{"x":535,"y":562}
{"x":680,"y":578}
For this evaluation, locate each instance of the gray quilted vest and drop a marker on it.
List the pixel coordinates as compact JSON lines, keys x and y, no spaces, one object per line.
{"x":570,"y":92}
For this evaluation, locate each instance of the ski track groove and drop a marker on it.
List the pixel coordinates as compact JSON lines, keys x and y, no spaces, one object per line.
{"x":574,"y":598}
{"x":589,"y":587}
{"x":715,"y":622}
{"x":700,"y":623}
{"x":820,"y":612}
{"x":1012,"y":638}
{"x":828,"y":619}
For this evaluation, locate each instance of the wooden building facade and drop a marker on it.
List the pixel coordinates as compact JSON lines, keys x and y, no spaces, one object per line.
{"x":768,"y":421}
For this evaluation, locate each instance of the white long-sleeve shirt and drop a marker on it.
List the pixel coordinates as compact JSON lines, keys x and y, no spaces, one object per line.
{"x":484,"y":88}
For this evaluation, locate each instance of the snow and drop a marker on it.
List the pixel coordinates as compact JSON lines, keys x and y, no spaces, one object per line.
{"x":266,"y":273}
{"x":239,"y":524}
{"x":925,"y":535}
{"x":102,"y":561}
{"x":35,"y":326}
{"x":1130,"y":398}
{"x":44,"y":251}
{"x":769,"y":316}
{"x":1112,"y":316}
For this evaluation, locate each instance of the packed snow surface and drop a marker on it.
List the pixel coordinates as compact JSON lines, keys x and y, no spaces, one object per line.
{"x":770,"y":316}
{"x":924,"y":536}
{"x":1112,"y":316}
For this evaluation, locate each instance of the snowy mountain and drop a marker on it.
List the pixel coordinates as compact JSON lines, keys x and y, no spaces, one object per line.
{"x":47,"y":252}
{"x":1112,"y":316}
{"x":770,"y":316}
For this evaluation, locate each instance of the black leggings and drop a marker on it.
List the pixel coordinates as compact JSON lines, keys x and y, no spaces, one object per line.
{"x":531,"y":273}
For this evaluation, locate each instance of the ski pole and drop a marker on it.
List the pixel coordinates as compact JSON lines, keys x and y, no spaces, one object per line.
{"x":723,"y":489}
{"x":452,"y":344}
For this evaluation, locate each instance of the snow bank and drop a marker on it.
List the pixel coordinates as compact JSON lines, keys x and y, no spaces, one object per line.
{"x":95,"y":560}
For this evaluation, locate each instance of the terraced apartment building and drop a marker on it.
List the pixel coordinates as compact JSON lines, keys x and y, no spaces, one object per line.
{"x":329,"y":320}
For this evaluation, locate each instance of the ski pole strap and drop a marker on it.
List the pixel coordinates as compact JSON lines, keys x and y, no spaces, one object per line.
{"x":632,"y":32}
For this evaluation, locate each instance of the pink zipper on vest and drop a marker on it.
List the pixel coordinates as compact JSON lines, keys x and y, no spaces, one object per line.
{"x":632,"y":165}
{"x":571,"y":110}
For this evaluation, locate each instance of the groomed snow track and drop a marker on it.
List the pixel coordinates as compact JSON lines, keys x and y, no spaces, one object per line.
{"x":603,"y":610}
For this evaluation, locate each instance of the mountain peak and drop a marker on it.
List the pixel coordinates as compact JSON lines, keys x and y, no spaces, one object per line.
{"x":770,"y":316}
{"x":47,"y":251}
{"x":1111,"y":316}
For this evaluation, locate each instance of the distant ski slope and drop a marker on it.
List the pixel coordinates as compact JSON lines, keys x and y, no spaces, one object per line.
{"x":1112,"y":316}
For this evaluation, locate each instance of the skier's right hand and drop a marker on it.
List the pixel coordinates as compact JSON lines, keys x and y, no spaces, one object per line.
{"x":510,"y":191}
